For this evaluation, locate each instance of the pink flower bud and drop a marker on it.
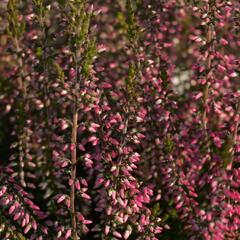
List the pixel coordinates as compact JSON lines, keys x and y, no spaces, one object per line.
{"x":223,"y":42}
{"x":127,"y":233}
{"x":70,"y":182}
{"x":61,"y":198}
{"x":106,"y":230}
{"x":17,"y":216}
{"x":84,"y":182}
{"x":68,"y":234}
{"x":27,"y":217}
{"x":72,"y":146}
{"x":11,"y":209}
{"x":86,"y":196}
{"x":27,"y":228}
{"x":64,"y":125}
{"x":68,"y":203}
{"x":81,"y":147}
{"x":23,"y":224}
{"x":87,"y":222}
{"x":77,"y":185}
{"x":117,"y":234}
{"x":34,"y":225}
{"x":3,"y":190}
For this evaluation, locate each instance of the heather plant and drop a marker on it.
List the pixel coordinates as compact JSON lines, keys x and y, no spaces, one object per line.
{"x":119,"y":119}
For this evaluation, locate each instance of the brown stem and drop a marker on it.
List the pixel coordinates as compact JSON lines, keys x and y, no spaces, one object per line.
{"x":208,"y":68}
{"x":235,"y":132}
{"x":73,"y":173}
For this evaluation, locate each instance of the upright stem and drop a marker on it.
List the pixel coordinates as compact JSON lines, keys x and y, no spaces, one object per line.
{"x":46,"y":100}
{"x":208,"y":68}
{"x":45,"y":65}
{"x":23,"y":89}
{"x":73,"y":172}
{"x":235,"y":132}
{"x":22,"y":84}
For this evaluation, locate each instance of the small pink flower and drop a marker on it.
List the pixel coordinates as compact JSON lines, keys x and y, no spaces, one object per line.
{"x":27,"y":228}
{"x":34,"y":225}
{"x":77,"y":185}
{"x":106,"y":230}
{"x":64,"y":125}
{"x":223,"y":42}
{"x":23,"y":224}
{"x":127,"y":233}
{"x":3,"y":190}
{"x":80,"y":217}
{"x":86,"y":196}
{"x":11,"y":209}
{"x":117,"y":234}
{"x":87,"y":222}
{"x":17,"y":216}
{"x":68,"y":234}
{"x":70,"y":182}
{"x":61,"y":198}
{"x":81,"y":147}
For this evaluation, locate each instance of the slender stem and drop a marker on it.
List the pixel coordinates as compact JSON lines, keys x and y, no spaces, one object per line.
{"x":49,"y":165}
{"x":23,"y":88}
{"x":45,"y":64}
{"x":22,"y":84}
{"x":73,"y":172}
{"x":208,"y":68}
{"x":235,"y":132}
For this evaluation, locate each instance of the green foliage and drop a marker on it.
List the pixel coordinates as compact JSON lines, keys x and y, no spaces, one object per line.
{"x":226,"y":152}
{"x":133,"y":28}
{"x":131,"y":82}
{"x":40,"y":9}
{"x":79,"y":22}
{"x":89,"y":55}
{"x":60,"y":72}
{"x":15,"y":27}
{"x":169,"y":145}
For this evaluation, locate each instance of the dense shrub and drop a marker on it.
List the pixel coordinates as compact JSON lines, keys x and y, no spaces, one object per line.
{"x":120,"y":119}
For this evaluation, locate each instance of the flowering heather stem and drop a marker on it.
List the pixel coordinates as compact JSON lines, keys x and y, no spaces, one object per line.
{"x":23,"y":89}
{"x":235,"y":132}
{"x":22,"y":84}
{"x":208,"y":68}
{"x":73,"y":172}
